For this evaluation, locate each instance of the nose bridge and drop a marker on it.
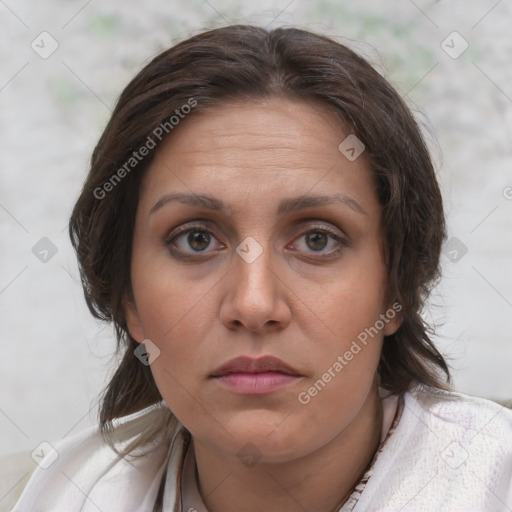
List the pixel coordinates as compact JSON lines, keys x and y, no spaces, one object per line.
{"x":253,"y":299}
{"x":253,"y":269}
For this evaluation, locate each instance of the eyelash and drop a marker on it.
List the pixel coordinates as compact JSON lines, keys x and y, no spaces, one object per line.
{"x":183,"y":230}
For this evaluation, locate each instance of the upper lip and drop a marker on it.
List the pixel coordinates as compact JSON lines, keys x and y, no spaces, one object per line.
{"x":246,"y":364}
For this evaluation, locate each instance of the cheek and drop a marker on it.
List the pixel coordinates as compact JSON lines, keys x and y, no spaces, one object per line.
{"x":174,"y":317}
{"x":348,"y":312}
{"x":168,"y":301}
{"x":350,"y":300}
{"x":345,"y":363}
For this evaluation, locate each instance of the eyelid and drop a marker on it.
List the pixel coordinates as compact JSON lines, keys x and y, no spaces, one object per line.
{"x":312,"y":224}
{"x":199,"y":224}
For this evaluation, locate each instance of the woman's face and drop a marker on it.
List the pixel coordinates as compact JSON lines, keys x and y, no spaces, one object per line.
{"x":271,"y":248}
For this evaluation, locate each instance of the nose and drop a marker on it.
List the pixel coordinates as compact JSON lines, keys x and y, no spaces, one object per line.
{"x":255,"y":296}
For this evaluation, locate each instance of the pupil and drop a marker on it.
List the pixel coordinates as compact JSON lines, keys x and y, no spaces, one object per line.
{"x":198,"y":240}
{"x":315,"y":238}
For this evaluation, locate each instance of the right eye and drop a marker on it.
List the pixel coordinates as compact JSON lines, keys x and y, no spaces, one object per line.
{"x":191,"y":240}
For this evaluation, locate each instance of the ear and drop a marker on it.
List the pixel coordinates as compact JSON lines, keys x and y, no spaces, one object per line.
{"x":133,"y":322}
{"x":394,"y":318}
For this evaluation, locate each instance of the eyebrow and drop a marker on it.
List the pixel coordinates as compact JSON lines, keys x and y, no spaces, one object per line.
{"x":286,"y":206}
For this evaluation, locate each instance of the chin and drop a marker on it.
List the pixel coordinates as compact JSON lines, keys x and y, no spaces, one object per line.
{"x":271,"y":437}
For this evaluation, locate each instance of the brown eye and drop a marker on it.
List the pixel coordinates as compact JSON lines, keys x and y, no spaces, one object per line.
{"x":198,"y":240}
{"x":188,"y":241}
{"x":317,"y":240}
{"x":320,"y":243}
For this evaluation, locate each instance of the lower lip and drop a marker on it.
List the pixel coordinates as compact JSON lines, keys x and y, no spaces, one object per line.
{"x":256,"y":383}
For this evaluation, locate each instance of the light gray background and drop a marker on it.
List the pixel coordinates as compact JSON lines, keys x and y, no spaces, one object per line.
{"x":55,"y":357}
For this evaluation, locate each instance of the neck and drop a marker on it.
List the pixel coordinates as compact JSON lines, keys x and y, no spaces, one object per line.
{"x":321,"y":481}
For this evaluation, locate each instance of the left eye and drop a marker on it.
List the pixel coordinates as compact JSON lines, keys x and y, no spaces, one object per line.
{"x":318,"y":240}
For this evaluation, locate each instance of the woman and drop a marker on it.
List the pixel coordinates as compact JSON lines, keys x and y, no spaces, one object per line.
{"x":262,"y":224}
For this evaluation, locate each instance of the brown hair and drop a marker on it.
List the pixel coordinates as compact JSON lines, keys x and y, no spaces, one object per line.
{"x":241,"y":61}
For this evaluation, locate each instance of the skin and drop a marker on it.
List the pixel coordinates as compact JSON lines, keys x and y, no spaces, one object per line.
{"x":299,"y":301}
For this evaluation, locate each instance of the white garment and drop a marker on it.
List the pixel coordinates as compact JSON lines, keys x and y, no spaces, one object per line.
{"x":449,"y":452}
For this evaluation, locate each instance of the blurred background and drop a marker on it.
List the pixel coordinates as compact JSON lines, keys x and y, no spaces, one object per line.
{"x":63,"y":65}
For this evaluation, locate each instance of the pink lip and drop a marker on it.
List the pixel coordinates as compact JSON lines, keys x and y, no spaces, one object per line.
{"x":246,"y":375}
{"x":244,"y":364}
{"x":256,"y":383}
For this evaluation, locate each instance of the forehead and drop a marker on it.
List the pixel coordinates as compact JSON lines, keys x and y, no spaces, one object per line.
{"x":254,"y":150}
{"x":267,"y":127}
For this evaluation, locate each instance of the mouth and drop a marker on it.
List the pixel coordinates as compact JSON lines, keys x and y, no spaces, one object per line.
{"x":245,"y":375}
{"x":265,"y":364}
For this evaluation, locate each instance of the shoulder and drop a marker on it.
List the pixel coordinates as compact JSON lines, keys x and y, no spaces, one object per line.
{"x":449,"y":452}
{"x":84,"y":471}
{"x":463,"y":431}
{"x":473,"y":418}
